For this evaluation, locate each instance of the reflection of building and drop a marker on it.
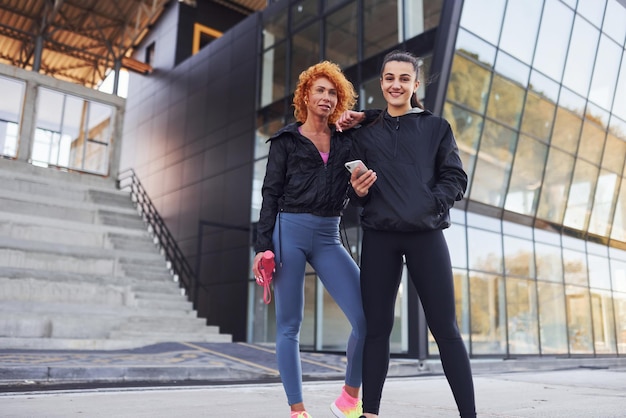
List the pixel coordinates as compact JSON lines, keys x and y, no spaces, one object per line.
{"x":532,"y":90}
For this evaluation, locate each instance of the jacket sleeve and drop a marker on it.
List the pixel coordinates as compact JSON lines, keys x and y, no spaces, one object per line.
{"x":451,"y":178}
{"x":272,"y":191}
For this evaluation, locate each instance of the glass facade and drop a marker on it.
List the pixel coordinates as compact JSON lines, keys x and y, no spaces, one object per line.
{"x":10,"y":115}
{"x":535,"y":99}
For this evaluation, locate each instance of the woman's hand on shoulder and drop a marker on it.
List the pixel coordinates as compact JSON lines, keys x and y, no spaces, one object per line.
{"x":349,"y":119}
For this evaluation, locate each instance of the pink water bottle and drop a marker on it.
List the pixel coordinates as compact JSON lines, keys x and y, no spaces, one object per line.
{"x":266,"y":267}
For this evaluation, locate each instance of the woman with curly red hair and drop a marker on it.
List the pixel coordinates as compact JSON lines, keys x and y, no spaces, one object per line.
{"x":304,"y":194}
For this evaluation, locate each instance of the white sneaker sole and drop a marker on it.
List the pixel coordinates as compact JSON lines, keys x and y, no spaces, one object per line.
{"x":336,"y":411}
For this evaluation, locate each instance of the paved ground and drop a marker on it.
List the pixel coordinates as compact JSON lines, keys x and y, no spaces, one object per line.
{"x":240,"y":380}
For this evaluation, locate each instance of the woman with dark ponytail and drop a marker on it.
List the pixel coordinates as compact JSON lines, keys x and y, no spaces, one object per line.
{"x":414,"y":177}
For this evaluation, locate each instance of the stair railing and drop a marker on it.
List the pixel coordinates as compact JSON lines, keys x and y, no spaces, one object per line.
{"x":177,"y":263}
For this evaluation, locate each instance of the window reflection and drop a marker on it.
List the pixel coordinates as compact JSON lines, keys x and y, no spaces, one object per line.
{"x":614,"y":19}
{"x":484,"y":18}
{"x":519,"y":257}
{"x":303,"y":11}
{"x":574,"y":267}
{"x":380,"y":26}
{"x":552,"y":321}
{"x":523,"y":194}
{"x":485,"y":250}
{"x":488,"y":315}
{"x":469,"y":84}
{"x":605,"y":195}
{"x":599,"y":272}
{"x":549,"y":263}
{"x":567,"y":127}
{"x":10,"y":115}
{"x":493,"y":165}
{"x":538,"y":116}
{"x":581,"y":56}
{"x":614,"y":154}
{"x":580,"y":195}
{"x":467,"y":127}
{"x":521,"y":303}
{"x":341,"y":36}
{"x":553,"y":39}
{"x":618,"y":275}
{"x":592,"y":141}
{"x":305,"y":51}
{"x":520,"y":28}
{"x":605,"y":73}
{"x":619,"y":302}
{"x":273,"y":75}
{"x":505,"y":101}
{"x":274,"y":28}
{"x":555,"y":186}
{"x":455,"y":237}
{"x":618,"y":230}
{"x":579,"y":320}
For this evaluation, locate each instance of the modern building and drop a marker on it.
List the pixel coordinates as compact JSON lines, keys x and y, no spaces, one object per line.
{"x":534,"y":91}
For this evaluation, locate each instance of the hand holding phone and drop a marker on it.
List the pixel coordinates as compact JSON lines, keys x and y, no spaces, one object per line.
{"x":352,"y":165}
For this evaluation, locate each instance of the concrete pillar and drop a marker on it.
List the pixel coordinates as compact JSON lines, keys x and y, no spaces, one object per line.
{"x":28,"y":123}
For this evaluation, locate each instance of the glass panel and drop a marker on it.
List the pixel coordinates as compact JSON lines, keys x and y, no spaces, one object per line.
{"x":547,"y":235}
{"x":467,"y":127}
{"x":273,"y":75}
{"x":329,"y":4}
{"x":579,"y":320}
{"x":538,"y":116}
{"x":274,"y":27}
{"x":521,"y":24}
{"x":505,"y":101}
{"x":485,"y":250}
{"x":614,"y":19}
{"x":552,"y":321}
{"x":398,"y":342}
{"x":549,"y":264}
{"x":521,"y":299}
{"x":99,"y":132}
{"x":592,"y":10}
{"x":262,"y":318}
{"x":580,"y":195}
{"x":484,"y":18}
{"x":528,"y":166}
{"x":556,"y":183}
{"x":469,"y":84}
{"x":371,"y":96}
{"x":257,"y":185}
{"x":581,"y":56}
{"x":303,"y":11}
{"x":305,"y":51}
{"x":614,"y":154}
{"x":519,"y":258}
{"x":618,"y":275}
{"x":603,"y":203}
{"x":618,"y":230}
{"x":512,"y":68}
{"x":488,"y":307}
{"x":605,"y":73}
{"x":553,"y":39}
{"x":574,"y":267}
{"x":591,"y":141}
{"x":474,"y":47}
{"x":419,"y":16}
{"x":567,"y":127}
{"x":10,"y":115}
{"x":455,"y":237}
{"x":517,"y":230}
{"x":380,"y":26}
{"x":494,"y":164}
{"x":599,"y":272}
{"x":484,"y":222}
{"x":619,"y":106}
{"x":619,"y":301}
{"x":341,"y":40}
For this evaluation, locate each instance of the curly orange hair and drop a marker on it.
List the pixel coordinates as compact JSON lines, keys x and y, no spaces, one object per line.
{"x":346,"y":95}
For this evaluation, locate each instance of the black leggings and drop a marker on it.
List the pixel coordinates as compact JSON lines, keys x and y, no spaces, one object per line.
{"x":428,"y":263}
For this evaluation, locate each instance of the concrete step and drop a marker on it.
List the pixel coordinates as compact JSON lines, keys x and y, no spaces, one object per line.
{"x":54,"y":234}
{"x":171,"y":336}
{"x":60,"y":309}
{"x":49,"y":210}
{"x":160,"y":324}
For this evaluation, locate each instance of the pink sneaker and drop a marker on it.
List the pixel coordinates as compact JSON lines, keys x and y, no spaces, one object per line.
{"x":346,"y":406}
{"x":300,"y":414}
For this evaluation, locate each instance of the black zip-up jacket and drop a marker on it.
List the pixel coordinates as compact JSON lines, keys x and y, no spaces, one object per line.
{"x":298,"y":181}
{"x":419,"y":172}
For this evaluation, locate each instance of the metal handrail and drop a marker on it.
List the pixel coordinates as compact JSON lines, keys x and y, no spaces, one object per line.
{"x":180,"y":268}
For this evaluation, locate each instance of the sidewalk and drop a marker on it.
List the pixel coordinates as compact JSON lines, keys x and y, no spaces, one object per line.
{"x":241,"y":380}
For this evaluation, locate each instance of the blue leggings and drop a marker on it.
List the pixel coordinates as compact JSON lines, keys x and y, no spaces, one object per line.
{"x":315,"y":239}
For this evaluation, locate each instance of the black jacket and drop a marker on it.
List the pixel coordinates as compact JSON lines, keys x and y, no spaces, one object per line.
{"x":296,"y":179}
{"x":419,"y":172}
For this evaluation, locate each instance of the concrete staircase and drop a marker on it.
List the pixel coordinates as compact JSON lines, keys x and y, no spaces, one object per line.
{"x":79,"y":269}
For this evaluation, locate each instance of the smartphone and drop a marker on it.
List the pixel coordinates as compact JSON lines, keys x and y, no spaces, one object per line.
{"x":352,"y":165}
